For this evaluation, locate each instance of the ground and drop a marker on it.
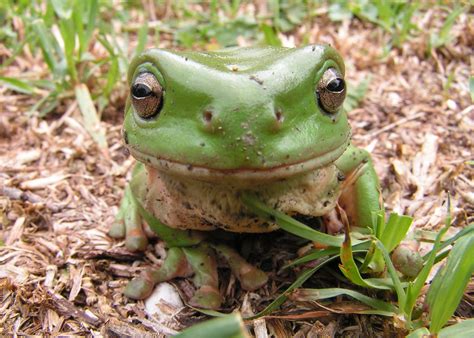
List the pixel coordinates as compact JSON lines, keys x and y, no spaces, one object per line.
{"x":59,"y":192}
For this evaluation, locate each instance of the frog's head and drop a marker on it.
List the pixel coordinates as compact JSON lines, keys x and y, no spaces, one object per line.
{"x":243,"y":113}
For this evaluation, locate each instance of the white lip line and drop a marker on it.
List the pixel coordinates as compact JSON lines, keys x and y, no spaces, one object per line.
{"x":267,"y":173}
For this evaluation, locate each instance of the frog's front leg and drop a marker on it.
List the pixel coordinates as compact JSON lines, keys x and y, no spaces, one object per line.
{"x":361,"y":189}
{"x":188,"y":254}
{"x":128,"y":224}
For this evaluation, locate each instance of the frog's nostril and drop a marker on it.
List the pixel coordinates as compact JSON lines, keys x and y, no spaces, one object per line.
{"x":279,"y":116}
{"x":207,"y":116}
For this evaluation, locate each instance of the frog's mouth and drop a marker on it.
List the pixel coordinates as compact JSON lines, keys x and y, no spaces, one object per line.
{"x":244,"y":176}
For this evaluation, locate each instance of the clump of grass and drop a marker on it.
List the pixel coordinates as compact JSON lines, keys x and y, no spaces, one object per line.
{"x":84,"y":60}
{"x":363,"y":254}
{"x":394,"y":17}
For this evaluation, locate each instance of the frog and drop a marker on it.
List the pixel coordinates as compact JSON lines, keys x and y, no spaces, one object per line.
{"x":208,"y":127}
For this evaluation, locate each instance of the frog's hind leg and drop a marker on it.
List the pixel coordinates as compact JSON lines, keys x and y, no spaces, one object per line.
{"x":175,"y":265}
{"x":204,"y":265}
{"x":250,"y":277}
{"x":128,"y":224}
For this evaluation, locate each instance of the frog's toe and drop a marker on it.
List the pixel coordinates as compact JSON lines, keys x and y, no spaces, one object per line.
{"x":136,"y":240}
{"x":206,"y":297}
{"x":139,"y":288}
{"x":252,"y":278}
{"x":117,"y":230}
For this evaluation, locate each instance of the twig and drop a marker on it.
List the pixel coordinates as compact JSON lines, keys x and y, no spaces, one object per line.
{"x":393,"y":125}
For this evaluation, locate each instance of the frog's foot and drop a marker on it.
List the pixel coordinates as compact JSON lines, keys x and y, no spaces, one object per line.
{"x":250,"y":277}
{"x":332,"y":223}
{"x":128,"y":224}
{"x":204,"y":264}
{"x":175,"y":265}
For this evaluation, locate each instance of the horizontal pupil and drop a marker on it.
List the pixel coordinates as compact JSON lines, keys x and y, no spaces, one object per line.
{"x":335,"y":85}
{"x":141,"y":90}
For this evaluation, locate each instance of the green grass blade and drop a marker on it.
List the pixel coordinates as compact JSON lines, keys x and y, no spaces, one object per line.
{"x":391,"y":234}
{"x":270,"y":36}
{"x":112,"y":76}
{"x":91,"y":24}
{"x":415,"y":287}
{"x":17,"y":85}
{"x":85,"y":15}
{"x":464,"y":329}
{"x":444,"y":35}
{"x":445,"y":32}
{"x":288,"y":223}
{"x":78,"y":15}
{"x":90,"y":116}
{"x":361,"y":247}
{"x":230,"y":326}
{"x":46,"y":42}
{"x":395,"y":230}
{"x":142,"y":38}
{"x":303,"y":277}
{"x":393,"y":274}
{"x":422,"y":332}
{"x":308,"y":295}
{"x":448,"y":286}
{"x":62,"y":8}
{"x":350,"y":269}
{"x":453,"y":239}
{"x":67,"y":30}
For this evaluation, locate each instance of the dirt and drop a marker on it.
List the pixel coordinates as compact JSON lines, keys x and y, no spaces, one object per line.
{"x":60,"y":272}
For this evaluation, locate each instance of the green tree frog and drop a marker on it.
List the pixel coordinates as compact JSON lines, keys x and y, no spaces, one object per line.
{"x":207,"y":126}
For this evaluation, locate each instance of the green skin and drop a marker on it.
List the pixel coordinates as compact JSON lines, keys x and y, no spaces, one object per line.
{"x":266,"y":128}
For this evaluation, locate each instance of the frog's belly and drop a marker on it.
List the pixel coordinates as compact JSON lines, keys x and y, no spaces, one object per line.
{"x":190,"y":204}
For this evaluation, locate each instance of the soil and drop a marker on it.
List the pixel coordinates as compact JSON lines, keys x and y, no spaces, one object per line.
{"x":59,"y":193}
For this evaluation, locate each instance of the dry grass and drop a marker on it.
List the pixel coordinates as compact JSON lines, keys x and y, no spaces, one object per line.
{"x":61,"y":274}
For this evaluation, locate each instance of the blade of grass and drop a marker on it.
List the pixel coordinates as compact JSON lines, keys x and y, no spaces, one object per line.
{"x":66,"y":27}
{"x":447,"y":288}
{"x":307,"y":295}
{"x":349,"y":269}
{"x":142,"y":38}
{"x":17,"y":85}
{"x":90,"y":116}
{"x":422,"y":332}
{"x":288,"y":223}
{"x":46,"y":42}
{"x":303,"y":277}
{"x":230,"y":326}
{"x":112,"y":76}
{"x":451,"y":240}
{"x":464,"y":329}
{"x":393,"y":274}
{"x":85,"y":10}
{"x":395,"y":230}
{"x":414,"y":288}
{"x":361,"y":247}
{"x":271,"y":37}
{"x":63,"y":8}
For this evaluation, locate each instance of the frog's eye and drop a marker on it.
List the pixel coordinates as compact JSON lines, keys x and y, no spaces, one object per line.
{"x":331,"y":90}
{"x":147,"y":95}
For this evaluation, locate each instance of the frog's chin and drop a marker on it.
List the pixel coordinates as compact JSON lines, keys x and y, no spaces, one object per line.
{"x":245,"y":176}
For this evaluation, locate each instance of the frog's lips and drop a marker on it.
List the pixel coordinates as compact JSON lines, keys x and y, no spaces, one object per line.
{"x":240,"y":174}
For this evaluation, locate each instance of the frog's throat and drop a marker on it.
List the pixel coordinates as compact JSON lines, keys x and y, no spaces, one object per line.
{"x":248,"y":175}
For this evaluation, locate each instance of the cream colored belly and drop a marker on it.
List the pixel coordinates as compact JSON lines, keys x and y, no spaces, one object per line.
{"x":191,"y":204}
